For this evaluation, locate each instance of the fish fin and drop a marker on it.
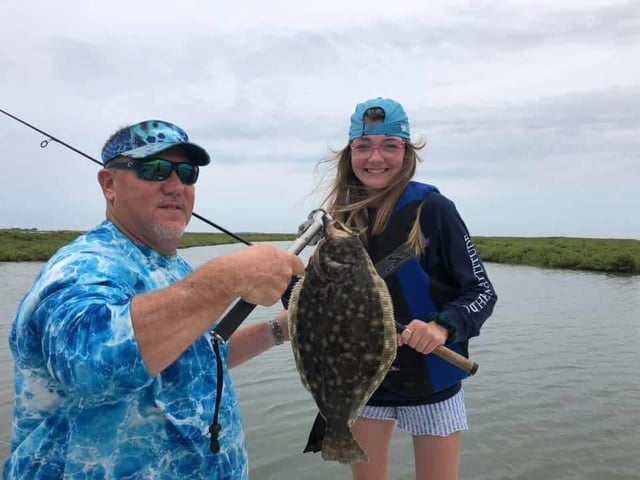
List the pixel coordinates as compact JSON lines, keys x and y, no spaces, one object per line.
{"x":316,"y":435}
{"x":340,"y":446}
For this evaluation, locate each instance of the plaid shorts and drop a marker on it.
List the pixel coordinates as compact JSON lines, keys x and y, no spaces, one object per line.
{"x":437,"y":419}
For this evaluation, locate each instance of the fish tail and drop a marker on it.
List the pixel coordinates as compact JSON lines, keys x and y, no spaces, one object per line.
{"x":340,"y":446}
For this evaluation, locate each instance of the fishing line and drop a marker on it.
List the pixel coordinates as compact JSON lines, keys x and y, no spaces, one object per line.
{"x":241,"y":310}
{"x":51,"y":138}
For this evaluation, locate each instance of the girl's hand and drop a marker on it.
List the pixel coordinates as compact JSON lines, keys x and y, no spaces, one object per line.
{"x":422,"y":336}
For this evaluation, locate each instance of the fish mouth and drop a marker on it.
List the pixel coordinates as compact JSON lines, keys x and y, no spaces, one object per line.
{"x":328,"y":268}
{"x":337,"y":229}
{"x":325,"y":273}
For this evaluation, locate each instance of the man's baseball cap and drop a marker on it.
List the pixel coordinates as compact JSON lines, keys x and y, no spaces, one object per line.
{"x":149,"y":138}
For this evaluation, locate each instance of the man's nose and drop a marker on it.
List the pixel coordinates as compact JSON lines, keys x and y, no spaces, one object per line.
{"x":173,"y":183}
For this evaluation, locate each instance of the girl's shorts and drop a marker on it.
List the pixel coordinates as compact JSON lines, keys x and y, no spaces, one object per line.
{"x":437,"y":419}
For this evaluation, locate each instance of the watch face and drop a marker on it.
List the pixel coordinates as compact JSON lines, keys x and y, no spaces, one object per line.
{"x":277,"y":332}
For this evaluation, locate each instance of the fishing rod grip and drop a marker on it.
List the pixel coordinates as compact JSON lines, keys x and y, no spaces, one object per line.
{"x":451,"y":356}
{"x":234,"y":317}
{"x":456,"y":359}
{"x":241,"y":310}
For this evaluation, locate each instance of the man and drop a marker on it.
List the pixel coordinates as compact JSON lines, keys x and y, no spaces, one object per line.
{"x":115,"y":372}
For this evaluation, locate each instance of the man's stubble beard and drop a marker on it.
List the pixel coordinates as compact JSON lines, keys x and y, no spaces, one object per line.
{"x":169,"y":233}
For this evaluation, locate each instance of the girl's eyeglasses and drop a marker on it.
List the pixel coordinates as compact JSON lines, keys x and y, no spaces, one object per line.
{"x":387,"y":149}
{"x":159,"y":169}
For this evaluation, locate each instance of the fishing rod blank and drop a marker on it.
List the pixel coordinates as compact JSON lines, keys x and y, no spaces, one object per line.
{"x":241,"y":310}
{"x":50,"y":138}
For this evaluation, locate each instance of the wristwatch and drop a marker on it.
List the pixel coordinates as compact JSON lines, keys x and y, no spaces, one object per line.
{"x":276,"y":330}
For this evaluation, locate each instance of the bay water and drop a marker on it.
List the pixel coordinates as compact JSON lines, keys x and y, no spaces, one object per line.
{"x":557,"y":394}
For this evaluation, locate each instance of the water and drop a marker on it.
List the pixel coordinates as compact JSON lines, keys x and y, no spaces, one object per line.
{"x":557,"y":395}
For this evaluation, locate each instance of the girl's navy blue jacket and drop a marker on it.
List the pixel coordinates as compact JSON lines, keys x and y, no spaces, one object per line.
{"x":449,"y":278}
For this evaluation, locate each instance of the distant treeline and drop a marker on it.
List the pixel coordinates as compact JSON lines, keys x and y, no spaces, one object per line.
{"x":600,"y":255}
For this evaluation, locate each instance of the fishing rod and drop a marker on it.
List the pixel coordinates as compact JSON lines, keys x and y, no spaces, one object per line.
{"x":309,"y":232}
{"x":51,"y":138}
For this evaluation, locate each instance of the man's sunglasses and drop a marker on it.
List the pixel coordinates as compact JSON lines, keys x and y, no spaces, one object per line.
{"x":159,"y":169}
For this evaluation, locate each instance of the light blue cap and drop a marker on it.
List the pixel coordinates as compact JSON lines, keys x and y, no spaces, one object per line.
{"x":395,"y":121}
{"x":149,"y":138}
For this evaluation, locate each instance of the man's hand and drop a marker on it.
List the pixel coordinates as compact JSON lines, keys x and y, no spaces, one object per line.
{"x":265,"y":272}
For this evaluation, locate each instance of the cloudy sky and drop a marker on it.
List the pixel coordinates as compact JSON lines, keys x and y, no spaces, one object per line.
{"x":530,"y":108}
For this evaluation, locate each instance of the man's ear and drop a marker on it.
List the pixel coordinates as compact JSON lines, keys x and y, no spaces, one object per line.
{"x":107,"y":180}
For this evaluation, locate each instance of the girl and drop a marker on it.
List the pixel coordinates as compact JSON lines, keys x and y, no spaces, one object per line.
{"x":441,"y":293}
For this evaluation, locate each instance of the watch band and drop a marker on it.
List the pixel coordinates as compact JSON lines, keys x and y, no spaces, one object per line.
{"x":276,"y":330}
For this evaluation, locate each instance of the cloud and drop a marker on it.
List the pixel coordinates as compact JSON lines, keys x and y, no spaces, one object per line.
{"x":529,"y":107}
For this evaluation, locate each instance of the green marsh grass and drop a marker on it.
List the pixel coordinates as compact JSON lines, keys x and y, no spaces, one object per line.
{"x":36,"y":246}
{"x":589,"y":254}
{"x":592,"y":254}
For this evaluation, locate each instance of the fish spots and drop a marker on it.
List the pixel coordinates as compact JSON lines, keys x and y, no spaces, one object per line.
{"x":342,"y":333}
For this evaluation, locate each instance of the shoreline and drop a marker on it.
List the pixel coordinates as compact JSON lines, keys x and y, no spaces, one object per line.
{"x":607,"y":255}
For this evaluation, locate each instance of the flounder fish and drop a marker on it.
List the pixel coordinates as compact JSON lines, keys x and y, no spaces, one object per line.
{"x":343,"y":335}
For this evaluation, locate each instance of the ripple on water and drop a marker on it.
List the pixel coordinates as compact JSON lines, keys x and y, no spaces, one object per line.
{"x":556,"y":397}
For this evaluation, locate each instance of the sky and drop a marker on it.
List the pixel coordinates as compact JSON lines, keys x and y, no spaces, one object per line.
{"x":530,"y":108}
